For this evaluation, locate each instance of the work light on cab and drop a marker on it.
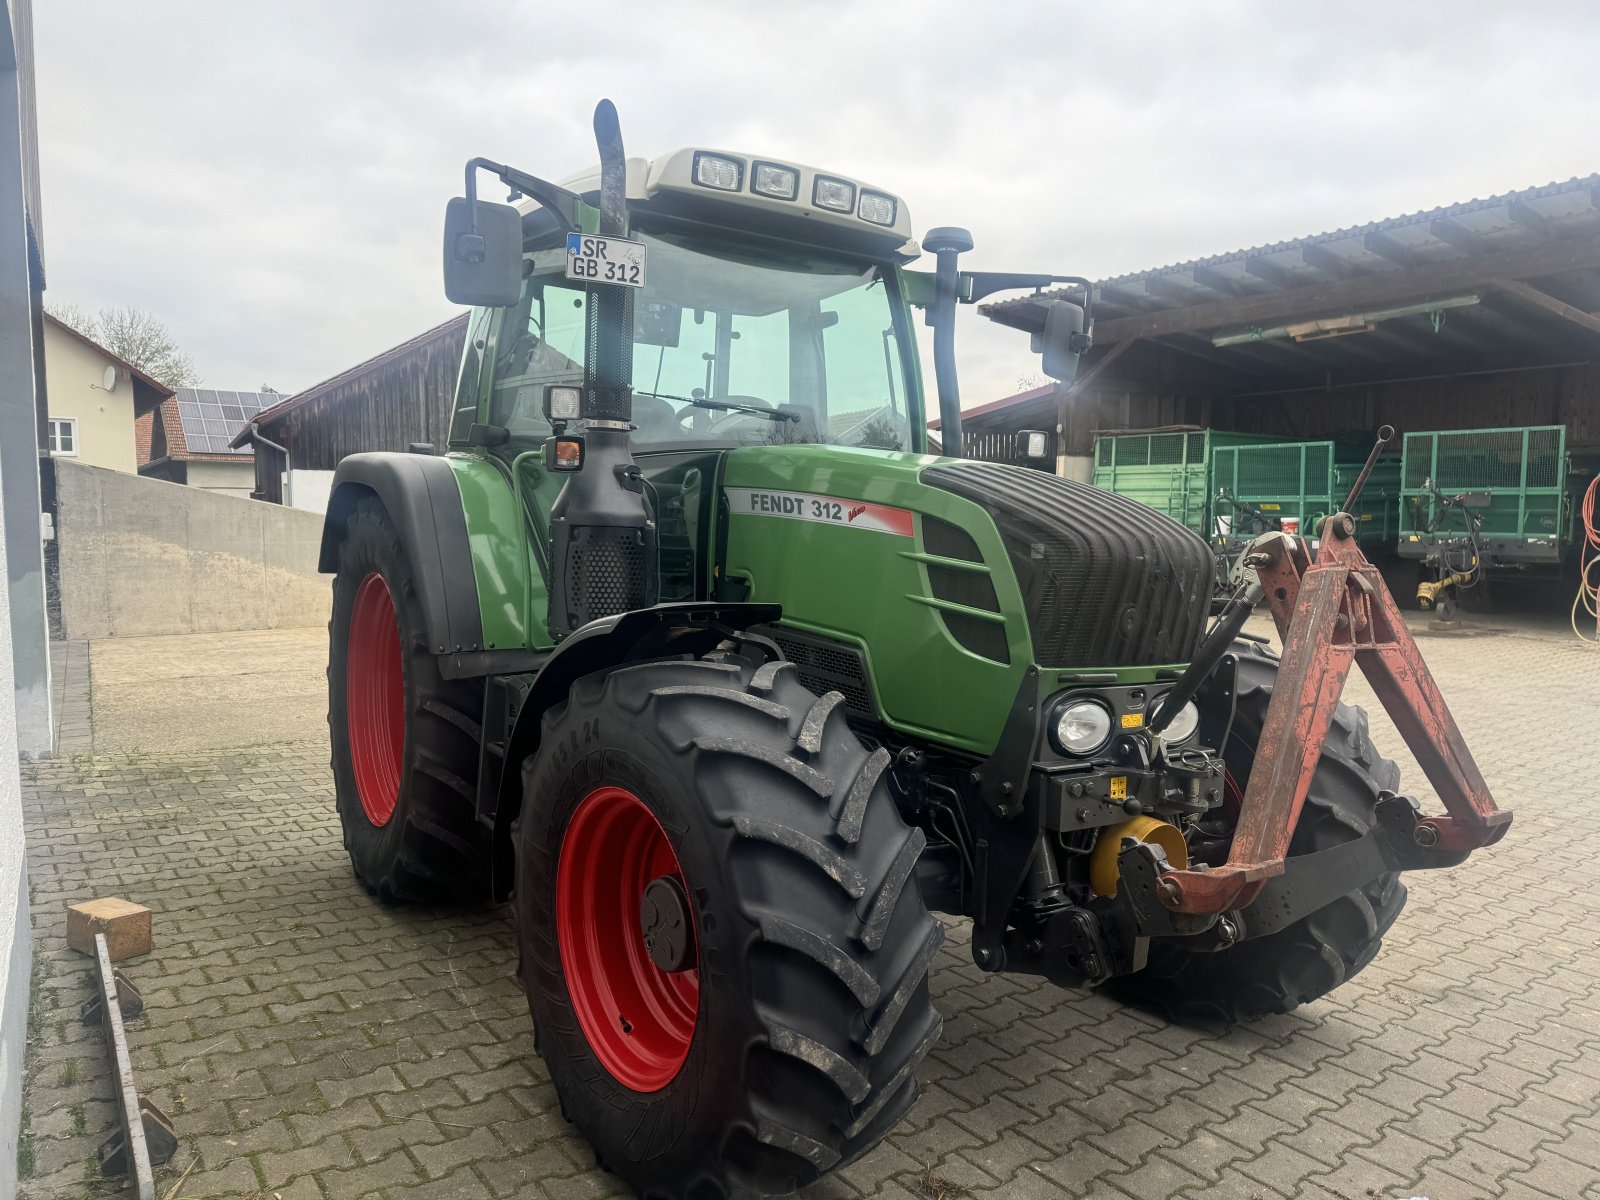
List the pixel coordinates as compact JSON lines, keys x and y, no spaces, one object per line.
{"x":716,"y":171}
{"x":836,"y":195}
{"x":563,"y":403}
{"x":775,"y":180}
{"x":877,"y":208}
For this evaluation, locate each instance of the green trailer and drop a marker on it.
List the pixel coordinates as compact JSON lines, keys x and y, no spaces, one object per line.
{"x":1301,"y":482}
{"x":1167,"y":470}
{"x":1506,"y":494}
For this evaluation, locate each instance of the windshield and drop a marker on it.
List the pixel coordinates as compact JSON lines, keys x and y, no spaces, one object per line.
{"x":729,"y":348}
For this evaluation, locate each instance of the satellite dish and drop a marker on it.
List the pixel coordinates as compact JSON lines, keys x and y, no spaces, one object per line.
{"x":110,"y":379}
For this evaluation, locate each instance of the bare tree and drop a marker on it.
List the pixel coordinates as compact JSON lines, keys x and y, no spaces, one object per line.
{"x":134,"y":335}
{"x":72,"y":315}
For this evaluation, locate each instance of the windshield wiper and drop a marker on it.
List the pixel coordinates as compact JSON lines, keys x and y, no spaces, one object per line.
{"x":771,"y":414}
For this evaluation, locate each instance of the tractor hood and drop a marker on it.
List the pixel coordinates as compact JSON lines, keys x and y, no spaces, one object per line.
{"x":930,"y":586}
{"x":1103,"y":578}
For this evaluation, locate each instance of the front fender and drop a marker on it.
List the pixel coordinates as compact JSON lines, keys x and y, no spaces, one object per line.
{"x":665,"y":631}
{"x":419,"y":493}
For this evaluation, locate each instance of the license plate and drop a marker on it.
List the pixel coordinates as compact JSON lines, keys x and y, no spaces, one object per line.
{"x":594,"y":259}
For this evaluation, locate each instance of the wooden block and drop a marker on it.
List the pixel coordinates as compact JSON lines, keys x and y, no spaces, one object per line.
{"x":125,"y":924}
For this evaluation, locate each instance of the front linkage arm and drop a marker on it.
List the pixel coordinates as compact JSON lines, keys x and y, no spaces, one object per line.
{"x":1330,"y":614}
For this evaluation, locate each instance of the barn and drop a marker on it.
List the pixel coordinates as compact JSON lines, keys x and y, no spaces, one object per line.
{"x":1242,"y":392}
{"x":1480,"y":314}
{"x":391,"y":401}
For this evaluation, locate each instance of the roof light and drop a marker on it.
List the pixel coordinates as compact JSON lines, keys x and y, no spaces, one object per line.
{"x":717,"y":171}
{"x":775,"y":180}
{"x":878,"y":208}
{"x":836,"y":195}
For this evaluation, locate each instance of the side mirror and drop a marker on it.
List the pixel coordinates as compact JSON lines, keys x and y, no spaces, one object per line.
{"x":482,"y":264}
{"x":1063,"y":339}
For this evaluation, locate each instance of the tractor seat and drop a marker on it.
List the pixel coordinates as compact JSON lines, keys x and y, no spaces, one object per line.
{"x":654,"y":419}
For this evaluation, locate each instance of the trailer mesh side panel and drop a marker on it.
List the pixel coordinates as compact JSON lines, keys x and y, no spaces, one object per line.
{"x":1520,"y":475}
{"x":1544,"y":458}
{"x":1105,"y":581}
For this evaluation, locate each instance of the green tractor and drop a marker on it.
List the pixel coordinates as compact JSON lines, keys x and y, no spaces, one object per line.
{"x":689,"y":650}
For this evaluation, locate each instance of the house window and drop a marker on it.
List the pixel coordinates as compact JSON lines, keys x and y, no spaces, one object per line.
{"x":63,"y":436}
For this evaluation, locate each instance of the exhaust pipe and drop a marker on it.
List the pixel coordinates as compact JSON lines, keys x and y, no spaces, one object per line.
{"x":602,"y":529}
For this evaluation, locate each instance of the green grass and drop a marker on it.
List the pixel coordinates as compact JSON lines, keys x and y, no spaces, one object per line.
{"x":69,"y":1072}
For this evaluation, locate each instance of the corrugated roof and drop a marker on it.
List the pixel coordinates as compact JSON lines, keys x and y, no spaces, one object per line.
{"x":1511,"y":220}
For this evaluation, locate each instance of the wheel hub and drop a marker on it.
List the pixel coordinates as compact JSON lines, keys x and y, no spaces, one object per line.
{"x":375,"y":698}
{"x":626,"y":934}
{"x":664,"y":921}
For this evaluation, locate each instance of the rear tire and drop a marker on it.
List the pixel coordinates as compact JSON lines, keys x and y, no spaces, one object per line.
{"x":404,"y":738}
{"x":809,"y":1004}
{"x":1283,"y":970}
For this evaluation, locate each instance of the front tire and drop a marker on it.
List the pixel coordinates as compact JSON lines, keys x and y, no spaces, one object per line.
{"x":404,"y":738}
{"x":786,"y":1045}
{"x":1283,"y":970}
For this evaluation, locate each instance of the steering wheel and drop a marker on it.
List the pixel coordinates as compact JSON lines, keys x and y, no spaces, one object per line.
{"x":709,"y":420}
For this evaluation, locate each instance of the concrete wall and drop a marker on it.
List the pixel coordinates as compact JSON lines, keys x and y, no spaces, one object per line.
{"x":75,"y":376}
{"x":143,"y":556}
{"x":228,"y":478}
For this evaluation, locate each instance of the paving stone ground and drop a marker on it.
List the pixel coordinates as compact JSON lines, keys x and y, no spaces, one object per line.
{"x":309,"y":1043}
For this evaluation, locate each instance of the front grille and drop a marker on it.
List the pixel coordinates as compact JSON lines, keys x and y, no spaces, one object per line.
{"x":1106,"y":581}
{"x":825,"y":665}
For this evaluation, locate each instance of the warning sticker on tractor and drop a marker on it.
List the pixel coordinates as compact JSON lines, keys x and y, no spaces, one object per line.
{"x":824,"y":510}
{"x":1119,"y":787}
{"x":1132,"y":720}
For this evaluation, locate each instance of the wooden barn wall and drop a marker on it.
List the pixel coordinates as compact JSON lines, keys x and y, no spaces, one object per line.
{"x":404,"y":399}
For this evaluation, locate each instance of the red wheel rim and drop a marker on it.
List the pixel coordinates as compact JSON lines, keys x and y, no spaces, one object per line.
{"x":375,"y":699}
{"x":638,"y":1019}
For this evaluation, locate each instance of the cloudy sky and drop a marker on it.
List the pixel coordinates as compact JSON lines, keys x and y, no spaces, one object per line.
{"x":268,"y":177}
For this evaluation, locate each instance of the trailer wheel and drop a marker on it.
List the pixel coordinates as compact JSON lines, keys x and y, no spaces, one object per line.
{"x":1310,"y":958}
{"x":722,"y":941}
{"x":404,"y":739}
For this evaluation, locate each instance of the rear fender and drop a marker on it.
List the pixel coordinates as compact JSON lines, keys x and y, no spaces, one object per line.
{"x":666,"y":631}
{"x":419,"y":493}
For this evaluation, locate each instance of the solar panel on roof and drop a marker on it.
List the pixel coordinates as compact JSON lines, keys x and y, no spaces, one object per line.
{"x":212,"y":418}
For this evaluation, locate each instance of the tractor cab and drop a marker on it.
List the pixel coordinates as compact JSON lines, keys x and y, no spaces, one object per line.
{"x":757,"y":319}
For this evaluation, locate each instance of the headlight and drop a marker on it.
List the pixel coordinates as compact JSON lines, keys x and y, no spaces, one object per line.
{"x":1183,"y":726}
{"x":1082,"y":727}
